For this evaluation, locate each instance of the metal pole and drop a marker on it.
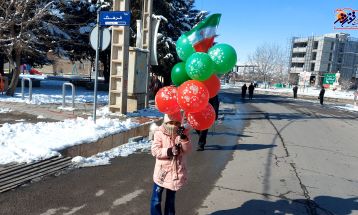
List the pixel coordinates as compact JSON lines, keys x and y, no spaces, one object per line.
{"x":23,"y":86}
{"x":64,"y":94}
{"x":96,"y":67}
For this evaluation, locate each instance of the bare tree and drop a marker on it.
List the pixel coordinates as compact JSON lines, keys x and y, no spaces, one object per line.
{"x":271,"y":62}
{"x":21,"y":24}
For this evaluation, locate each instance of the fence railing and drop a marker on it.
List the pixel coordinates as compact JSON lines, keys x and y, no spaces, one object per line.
{"x":64,"y":94}
{"x":23,"y":88}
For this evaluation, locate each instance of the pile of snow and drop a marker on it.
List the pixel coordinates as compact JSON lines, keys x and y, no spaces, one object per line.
{"x":25,"y":142}
{"x":5,"y":110}
{"x":308,"y":91}
{"x":348,"y":107}
{"x":104,"y":158}
{"x":228,"y":86}
{"x":311,"y":91}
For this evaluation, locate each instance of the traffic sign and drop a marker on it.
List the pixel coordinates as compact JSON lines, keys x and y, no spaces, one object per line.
{"x":116,"y":18}
{"x":105,"y":38}
{"x":329,"y":78}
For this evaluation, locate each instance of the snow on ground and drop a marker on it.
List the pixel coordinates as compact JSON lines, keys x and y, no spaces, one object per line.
{"x":26,"y":142}
{"x":5,"y":110}
{"x":348,"y":107}
{"x":312,"y":91}
{"x":309,"y":91}
{"x":104,"y":158}
{"x":50,"y":92}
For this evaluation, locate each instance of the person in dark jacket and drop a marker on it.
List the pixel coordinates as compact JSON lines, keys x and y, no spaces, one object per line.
{"x":295,"y":89}
{"x":204,"y":133}
{"x":155,"y":85}
{"x":251,"y":91}
{"x":321,"y":95}
{"x":243,"y":91}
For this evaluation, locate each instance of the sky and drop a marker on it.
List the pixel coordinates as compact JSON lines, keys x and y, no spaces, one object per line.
{"x":248,"y":24}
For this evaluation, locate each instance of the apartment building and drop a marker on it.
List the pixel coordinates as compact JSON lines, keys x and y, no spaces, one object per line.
{"x":328,"y":53}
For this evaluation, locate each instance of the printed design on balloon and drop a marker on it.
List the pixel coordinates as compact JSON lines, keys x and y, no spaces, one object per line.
{"x":219,"y":55}
{"x":166,"y":100}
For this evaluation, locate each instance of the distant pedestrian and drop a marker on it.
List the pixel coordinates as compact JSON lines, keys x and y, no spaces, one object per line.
{"x":155,"y":85}
{"x":295,"y":89}
{"x":251,"y":91}
{"x":321,"y":95}
{"x":204,"y":133}
{"x":243,"y":91}
{"x":170,"y":147}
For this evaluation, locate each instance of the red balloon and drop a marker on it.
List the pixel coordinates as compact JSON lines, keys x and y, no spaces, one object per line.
{"x":193,"y":96}
{"x":213,"y":85}
{"x":166,"y":100}
{"x":202,"y":120}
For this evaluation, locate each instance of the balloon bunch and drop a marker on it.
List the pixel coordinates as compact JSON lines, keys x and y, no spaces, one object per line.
{"x":195,"y":78}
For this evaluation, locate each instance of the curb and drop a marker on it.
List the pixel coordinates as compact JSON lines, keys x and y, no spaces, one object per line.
{"x":109,"y":142}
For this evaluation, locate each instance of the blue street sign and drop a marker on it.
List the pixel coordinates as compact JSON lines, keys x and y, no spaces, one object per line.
{"x":117,"y":18}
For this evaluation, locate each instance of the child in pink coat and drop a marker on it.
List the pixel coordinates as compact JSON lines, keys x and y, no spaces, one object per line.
{"x":170,"y":147}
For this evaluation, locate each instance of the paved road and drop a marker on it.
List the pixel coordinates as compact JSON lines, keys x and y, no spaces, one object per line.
{"x":272,"y":155}
{"x":301,"y":158}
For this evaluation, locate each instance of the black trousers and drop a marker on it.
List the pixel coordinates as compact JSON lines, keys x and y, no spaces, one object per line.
{"x":202,"y":136}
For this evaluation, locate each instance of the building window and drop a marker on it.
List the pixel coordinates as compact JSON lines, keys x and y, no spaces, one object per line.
{"x":300,"y":45}
{"x":300,"y":65}
{"x":315,"y":44}
{"x":312,"y":66}
{"x":298,"y":54}
{"x":314,"y":55}
{"x":329,"y":67}
{"x":330,"y":56}
{"x":332,"y":45}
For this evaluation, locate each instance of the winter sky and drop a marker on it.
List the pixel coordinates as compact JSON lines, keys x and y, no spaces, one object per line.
{"x":248,"y":24}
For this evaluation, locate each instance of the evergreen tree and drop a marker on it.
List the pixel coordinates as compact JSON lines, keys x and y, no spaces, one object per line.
{"x":181,"y":17}
{"x":78,"y":20}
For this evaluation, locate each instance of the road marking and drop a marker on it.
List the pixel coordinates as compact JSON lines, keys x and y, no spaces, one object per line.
{"x":127,"y":198}
{"x":99,"y":193}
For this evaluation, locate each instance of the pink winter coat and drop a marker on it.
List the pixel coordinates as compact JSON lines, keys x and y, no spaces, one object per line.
{"x":169,"y":172}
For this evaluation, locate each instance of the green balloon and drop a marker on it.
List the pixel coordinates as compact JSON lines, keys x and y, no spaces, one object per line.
{"x":224,"y":57}
{"x":199,"y":66}
{"x":184,"y":48}
{"x":179,"y":74}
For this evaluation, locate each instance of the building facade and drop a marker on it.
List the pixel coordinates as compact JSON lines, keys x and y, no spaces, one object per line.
{"x":328,"y":53}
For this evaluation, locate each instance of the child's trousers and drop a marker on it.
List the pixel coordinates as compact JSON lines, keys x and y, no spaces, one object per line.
{"x":155,"y":206}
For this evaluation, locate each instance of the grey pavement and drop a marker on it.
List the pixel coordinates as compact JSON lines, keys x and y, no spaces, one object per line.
{"x":308,"y":163}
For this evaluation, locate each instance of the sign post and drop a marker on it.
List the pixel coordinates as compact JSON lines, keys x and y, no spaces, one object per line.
{"x":96,"y":66}
{"x":114,"y":18}
{"x":104,"y":18}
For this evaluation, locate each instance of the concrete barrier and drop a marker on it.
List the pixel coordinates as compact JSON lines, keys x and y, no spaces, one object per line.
{"x":109,"y":142}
